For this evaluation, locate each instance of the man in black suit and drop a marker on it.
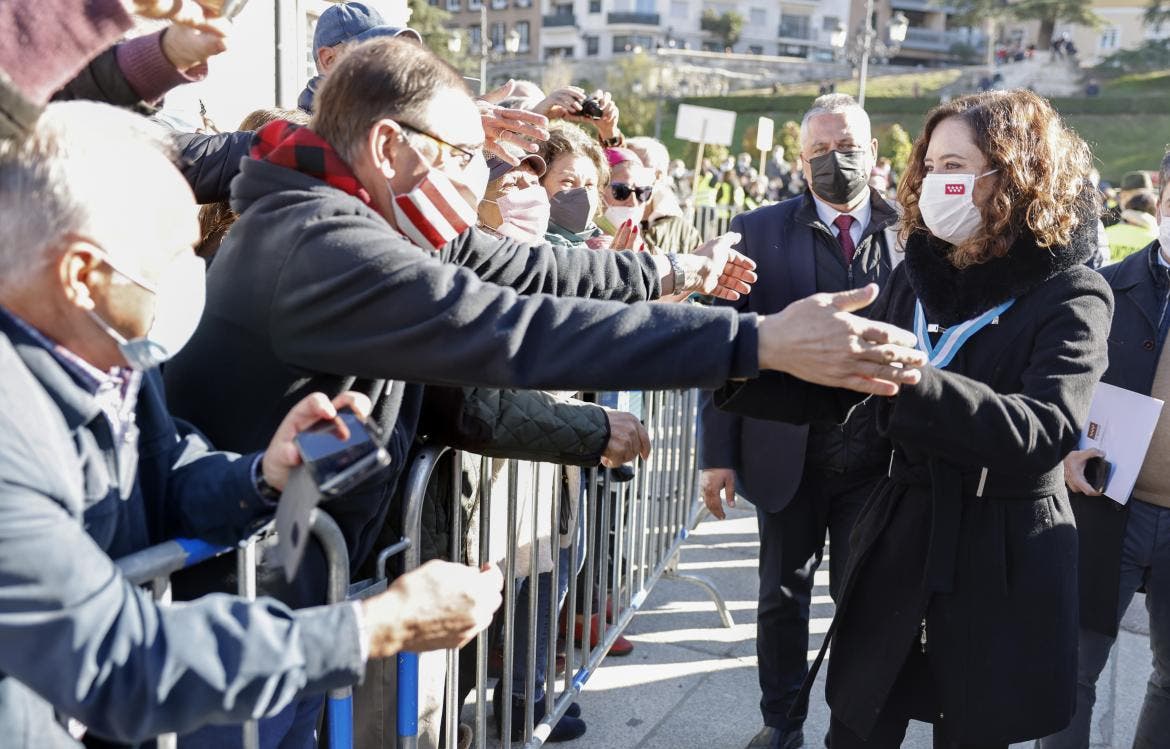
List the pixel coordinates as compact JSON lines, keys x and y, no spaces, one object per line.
{"x":803,"y":479}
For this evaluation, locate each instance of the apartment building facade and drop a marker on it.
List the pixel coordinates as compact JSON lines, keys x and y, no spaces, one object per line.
{"x":603,"y":29}
{"x":519,"y":19}
{"x":934,"y":35}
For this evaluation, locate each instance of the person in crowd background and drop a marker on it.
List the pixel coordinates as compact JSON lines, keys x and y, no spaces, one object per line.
{"x":665,"y":226}
{"x":959,"y":606}
{"x":79,"y":288}
{"x":803,"y":480}
{"x":1123,"y":546}
{"x":627,"y":191}
{"x":1136,"y":228}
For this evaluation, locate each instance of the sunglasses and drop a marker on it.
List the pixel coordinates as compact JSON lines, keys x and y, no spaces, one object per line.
{"x":621,"y":191}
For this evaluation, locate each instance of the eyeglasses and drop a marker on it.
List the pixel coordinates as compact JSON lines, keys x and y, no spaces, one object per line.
{"x":460,"y":155}
{"x":623,"y":190}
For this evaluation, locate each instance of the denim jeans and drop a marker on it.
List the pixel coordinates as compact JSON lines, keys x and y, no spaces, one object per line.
{"x":294,"y":727}
{"x":1145,"y":560}
{"x":543,"y":594}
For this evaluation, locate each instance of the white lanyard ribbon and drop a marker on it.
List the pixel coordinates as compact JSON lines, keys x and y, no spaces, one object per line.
{"x":953,"y":338}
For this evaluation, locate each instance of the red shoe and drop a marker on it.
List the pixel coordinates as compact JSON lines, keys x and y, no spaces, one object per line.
{"x":621,"y":646}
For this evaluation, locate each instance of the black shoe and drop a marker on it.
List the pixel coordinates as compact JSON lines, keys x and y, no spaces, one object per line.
{"x":568,"y":728}
{"x":774,"y":738}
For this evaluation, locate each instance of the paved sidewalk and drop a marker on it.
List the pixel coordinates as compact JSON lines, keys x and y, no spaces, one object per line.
{"x":692,"y":684}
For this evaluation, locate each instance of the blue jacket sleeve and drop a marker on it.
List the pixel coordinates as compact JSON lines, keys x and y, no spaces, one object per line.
{"x":211,"y":162}
{"x":101,"y":651}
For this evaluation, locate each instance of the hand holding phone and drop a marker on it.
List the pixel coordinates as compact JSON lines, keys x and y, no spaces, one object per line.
{"x":342,"y":452}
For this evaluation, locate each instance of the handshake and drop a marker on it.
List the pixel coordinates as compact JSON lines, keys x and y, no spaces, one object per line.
{"x":817,"y":339}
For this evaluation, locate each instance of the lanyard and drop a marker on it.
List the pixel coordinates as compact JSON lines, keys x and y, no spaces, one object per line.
{"x":953,"y":338}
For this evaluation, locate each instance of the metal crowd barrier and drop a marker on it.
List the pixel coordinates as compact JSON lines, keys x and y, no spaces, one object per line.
{"x":632,"y":536}
{"x":154,"y":566}
{"x":713,"y":220}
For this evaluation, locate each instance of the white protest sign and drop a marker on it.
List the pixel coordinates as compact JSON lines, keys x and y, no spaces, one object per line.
{"x":705,"y":125}
{"x":764,"y":132}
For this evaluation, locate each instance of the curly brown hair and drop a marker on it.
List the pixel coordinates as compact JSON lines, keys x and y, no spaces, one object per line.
{"x":1042,"y":168}
{"x":565,"y":137}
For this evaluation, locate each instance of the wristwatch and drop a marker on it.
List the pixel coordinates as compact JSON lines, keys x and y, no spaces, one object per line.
{"x":680,"y":278}
{"x":617,"y":141}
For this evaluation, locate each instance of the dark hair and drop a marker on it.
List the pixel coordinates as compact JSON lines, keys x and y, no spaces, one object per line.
{"x":1042,"y":167}
{"x":1164,"y":174}
{"x":567,"y":138}
{"x":382,"y":78}
{"x":1143,"y":201}
{"x":216,"y":218}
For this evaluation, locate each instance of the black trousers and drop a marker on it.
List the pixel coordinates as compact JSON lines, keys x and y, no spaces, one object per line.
{"x":792,"y":543}
{"x":912,"y":698}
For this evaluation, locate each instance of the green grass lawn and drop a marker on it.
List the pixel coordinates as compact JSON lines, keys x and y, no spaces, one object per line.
{"x":1137,"y":84}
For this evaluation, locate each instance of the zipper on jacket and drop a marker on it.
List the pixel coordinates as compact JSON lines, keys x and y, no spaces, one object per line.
{"x":922,"y":635}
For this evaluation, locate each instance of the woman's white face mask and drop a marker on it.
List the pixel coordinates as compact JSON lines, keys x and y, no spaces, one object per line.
{"x":948,"y":206}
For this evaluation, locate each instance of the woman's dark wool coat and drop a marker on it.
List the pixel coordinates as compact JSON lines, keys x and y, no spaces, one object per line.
{"x":972,"y":530}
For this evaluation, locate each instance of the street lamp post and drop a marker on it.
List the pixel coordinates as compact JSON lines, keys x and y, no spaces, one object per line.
{"x":867,"y":41}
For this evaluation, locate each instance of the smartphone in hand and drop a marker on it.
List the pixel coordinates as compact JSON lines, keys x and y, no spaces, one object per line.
{"x":343,"y":452}
{"x":1097,"y":472}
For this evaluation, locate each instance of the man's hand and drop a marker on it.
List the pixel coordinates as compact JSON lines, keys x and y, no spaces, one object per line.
{"x":628,"y":439}
{"x":187,"y":47}
{"x":282,"y":455}
{"x":817,"y":339}
{"x":561,"y":103}
{"x":711,"y":482}
{"x":717,"y":270}
{"x":513,"y":126}
{"x":1074,"y":471}
{"x":439,"y":606}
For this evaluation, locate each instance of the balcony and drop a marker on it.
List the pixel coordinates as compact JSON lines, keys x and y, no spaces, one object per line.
{"x":633,"y":19}
{"x":559,"y":20}
{"x":924,"y":6}
{"x":929,"y":40}
{"x":797,"y":33}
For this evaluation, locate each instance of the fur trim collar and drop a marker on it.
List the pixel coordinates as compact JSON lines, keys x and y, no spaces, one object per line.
{"x":950,"y":296}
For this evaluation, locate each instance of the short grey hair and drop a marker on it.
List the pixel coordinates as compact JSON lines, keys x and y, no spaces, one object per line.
{"x":69,"y":176}
{"x":832,"y":104}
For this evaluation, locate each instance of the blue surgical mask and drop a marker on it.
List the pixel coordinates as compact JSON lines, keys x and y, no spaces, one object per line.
{"x":178,"y":298}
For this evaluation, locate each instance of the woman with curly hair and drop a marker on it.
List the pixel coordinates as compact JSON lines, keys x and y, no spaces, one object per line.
{"x":959,"y":607}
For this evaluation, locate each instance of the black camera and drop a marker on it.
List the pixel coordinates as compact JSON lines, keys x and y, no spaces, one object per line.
{"x":590,"y":108}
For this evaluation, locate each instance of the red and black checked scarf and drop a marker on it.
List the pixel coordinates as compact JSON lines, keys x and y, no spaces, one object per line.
{"x":297,"y":147}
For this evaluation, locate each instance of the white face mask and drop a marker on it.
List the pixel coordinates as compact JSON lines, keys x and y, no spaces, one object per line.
{"x":619,"y":214}
{"x":1164,"y":236}
{"x":948,"y":207}
{"x":179,"y":299}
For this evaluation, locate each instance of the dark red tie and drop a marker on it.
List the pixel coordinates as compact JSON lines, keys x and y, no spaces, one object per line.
{"x":843,"y":223}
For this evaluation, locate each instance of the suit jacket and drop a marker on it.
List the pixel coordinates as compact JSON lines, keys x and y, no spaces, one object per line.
{"x":769,"y":456}
{"x":81,"y":642}
{"x":1134,"y":347}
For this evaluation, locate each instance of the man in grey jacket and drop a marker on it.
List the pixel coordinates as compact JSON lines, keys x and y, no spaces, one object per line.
{"x":95,"y":285}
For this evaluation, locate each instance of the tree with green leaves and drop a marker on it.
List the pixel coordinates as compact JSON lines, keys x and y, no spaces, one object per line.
{"x":431,"y":22}
{"x":789,"y":138}
{"x":633,"y":81}
{"x":728,"y":26}
{"x":1047,"y":12}
{"x":896,"y":147}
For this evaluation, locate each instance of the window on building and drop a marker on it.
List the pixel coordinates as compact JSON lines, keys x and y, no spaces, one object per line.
{"x":829,"y":23}
{"x":499,"y":4}
{"x":755,"y":49}
{"x":474,"y":38}
{"x":758,"y":17}
{"x":594,"y":6}
{"x":592,"y":46}
{"x":629,"y":42}
{"x":522,"y":31}
{"x":498,"y":32}
{"x":1110,"y":39}
{"x":523,"y":3}
{"x":645,"y":6}
{"x":474,"y":4}
{"x":680,"y":9}
{"x":553,"y":52}
{"x":454,"y":5}
{"x":794,"y":27}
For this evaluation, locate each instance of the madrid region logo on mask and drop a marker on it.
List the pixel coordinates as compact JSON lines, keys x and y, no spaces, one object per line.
{"x":955,"y":189}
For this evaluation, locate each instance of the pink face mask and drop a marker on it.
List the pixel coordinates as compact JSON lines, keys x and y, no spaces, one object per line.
{"x":524,"y":214}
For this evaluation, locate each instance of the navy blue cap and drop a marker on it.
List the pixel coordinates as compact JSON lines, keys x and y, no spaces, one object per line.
{"x":346,"y":22}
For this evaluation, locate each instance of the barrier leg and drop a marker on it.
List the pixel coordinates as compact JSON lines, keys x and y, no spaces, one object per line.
{"x":407,"y":700}
{"x":246,"y":577}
